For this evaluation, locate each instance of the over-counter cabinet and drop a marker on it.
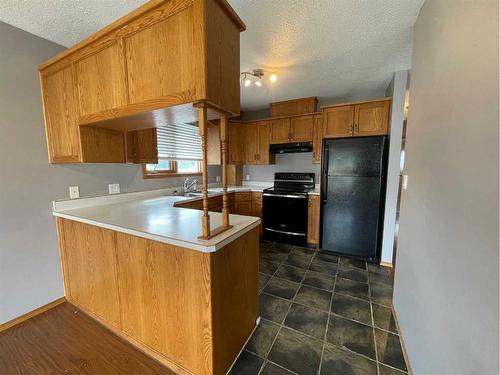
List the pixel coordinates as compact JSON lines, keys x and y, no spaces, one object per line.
{"x":356,"y":120}
{"x":292,"y":129}
{"x":313,"y":220}
{"x":236,"y":143}
{"x":257,"y":143}
{"x":143,"y":71}
{"x":317,"y":138}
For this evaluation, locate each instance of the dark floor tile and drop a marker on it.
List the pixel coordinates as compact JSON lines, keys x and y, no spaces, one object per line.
{"x":268,"y":267}
{"x":351,"y":335}
{"x":381,"y":294}
{"x":349,"y":262}
{"x":337,"y":361}
{"x":273,"y":308}
{"x":247,"y":364}
{"x":319,"y":280}
{"x":382,"y":279}
{"x":377,"y":268}
{"x":327,"y":256}
{"x":263,"y":279}
{"x":298,"y":260}
{"x":312,"y":322}
{"x":384,"y":370}
{"x":281,"y":288}
{"x":313,"y":297}
{"x":325,"y":267}
{"x":352,"y":288}
{"x":383,"y":318}
{"x":296,"y":352}
{"x":352,"y":308}
{"x":389,"y":349}
{"x":273,"y":255}
{"x":272,"y":369}
{"x":283,"y":247}
{"x":353,"y":274}
{"x":262,"y":338}
{"x":290,"y":273}
{"x":303,"y":251}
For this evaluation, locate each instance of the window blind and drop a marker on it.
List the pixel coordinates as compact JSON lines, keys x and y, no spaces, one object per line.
{"x":179,"y":142}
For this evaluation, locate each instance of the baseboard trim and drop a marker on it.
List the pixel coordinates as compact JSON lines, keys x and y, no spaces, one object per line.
{"x":403,"y":346}
{"x":31,"y":314}
{"x":386,"y":264}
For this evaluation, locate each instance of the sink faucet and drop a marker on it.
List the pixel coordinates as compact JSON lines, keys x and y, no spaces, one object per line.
{"x":187,"y":185}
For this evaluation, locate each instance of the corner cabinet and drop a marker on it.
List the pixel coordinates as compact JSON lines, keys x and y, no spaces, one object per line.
{"x":357,"y":119}
{"x":145,"y":70}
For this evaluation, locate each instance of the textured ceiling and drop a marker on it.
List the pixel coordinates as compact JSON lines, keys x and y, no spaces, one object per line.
{"x":334,"y":49}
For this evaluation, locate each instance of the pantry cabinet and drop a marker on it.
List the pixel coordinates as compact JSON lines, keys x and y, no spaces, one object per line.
{"x":144,"y":70}
{"x":356,"y":120}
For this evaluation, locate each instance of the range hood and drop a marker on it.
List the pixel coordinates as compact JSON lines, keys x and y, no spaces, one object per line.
{"x":287,"y":148}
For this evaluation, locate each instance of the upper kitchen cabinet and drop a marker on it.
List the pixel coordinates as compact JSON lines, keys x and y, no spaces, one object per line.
{"x":317,"y":138}
{"x":356,"y":119}
{"x":280,"y":131}
{"x":291,"y":129}
{"x":294,"y":107}
{"x":257,"y":143}
{"x":145,"y":70}
{"x":236,"y":143}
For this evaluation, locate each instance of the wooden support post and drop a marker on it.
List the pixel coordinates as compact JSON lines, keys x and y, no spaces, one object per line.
{"x":224,"y":146}
{"x":202,"y":124}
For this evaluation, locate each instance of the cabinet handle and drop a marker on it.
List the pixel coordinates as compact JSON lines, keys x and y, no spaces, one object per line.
{"x":356,"y":128}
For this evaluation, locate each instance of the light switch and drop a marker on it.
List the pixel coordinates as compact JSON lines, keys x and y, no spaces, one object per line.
{"x":114,"y":188}
{"x":74,"y":192}
{"x":404,"y":182}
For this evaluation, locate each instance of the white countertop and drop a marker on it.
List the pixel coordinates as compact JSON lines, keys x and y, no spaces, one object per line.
{"x":152,"y":215}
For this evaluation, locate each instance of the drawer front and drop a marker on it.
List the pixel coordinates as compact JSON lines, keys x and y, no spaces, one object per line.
{"x":257,"y":197}
{"x":243,"y":196}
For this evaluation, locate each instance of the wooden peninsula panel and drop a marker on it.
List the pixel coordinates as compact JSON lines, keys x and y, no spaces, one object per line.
{"x":192,"y":311}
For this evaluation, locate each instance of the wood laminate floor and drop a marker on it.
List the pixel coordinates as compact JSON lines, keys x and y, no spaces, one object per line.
{"x":65,"y":341}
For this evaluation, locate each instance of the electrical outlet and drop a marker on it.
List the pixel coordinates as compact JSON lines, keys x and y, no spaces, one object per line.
{"x":247,"y":177}
{"x":217,"y":179}
{"x":114,"y":188}
{"x":74,"y":192}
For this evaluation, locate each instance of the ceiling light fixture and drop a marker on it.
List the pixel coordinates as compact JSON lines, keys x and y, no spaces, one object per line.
{"x":255,"y":77}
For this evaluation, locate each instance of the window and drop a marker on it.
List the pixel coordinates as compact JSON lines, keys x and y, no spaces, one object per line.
{"x":179,"y":152}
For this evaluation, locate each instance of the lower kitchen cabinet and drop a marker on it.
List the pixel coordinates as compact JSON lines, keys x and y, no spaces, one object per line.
{"x":313,"y":220}
{"x":257,"y":207}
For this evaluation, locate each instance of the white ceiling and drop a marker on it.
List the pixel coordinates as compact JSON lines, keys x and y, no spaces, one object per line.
{"x":334,"y":49}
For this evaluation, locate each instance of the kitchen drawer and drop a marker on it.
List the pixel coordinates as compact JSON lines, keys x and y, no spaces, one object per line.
{"x":245,"y":196}
{"x":257,"y":197}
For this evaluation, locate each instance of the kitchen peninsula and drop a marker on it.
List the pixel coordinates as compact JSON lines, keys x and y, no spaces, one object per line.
{"x":134,"y":262}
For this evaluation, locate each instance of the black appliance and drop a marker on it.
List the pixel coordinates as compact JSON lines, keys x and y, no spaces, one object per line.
{"x":353,"y":194}
{"x":287,"y":148}
{"x":284,"y":208}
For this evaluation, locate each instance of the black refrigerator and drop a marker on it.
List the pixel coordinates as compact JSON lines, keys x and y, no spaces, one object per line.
{"x":353,"y":195}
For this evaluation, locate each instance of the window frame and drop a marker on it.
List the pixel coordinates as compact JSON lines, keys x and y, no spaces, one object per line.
{"x":165,"y":173}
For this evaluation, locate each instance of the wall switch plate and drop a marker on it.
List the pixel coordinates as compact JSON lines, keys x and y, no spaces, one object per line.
{"x":404,"y":182}
{"x":247,"y":177}
{"x":74,"y":192}
{"x":217,"y":179}
{"x":114,"y":188}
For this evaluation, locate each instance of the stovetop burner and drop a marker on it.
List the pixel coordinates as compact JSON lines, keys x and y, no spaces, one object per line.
{"x":291,"y":183}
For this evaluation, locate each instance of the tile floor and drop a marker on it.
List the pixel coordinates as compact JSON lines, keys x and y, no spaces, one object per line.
{"x":321,"y":314}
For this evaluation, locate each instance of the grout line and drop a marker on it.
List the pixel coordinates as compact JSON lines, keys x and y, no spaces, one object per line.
{"x":327,"y":324}
{"x":373,"y":328}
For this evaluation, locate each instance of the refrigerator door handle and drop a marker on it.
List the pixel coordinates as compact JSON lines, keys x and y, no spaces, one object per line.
{"x":324,"y":181}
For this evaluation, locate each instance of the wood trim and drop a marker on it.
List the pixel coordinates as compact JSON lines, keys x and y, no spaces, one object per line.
{"x":174,"y":173}
{"x":386,"y":264}
{"x":31,"y":314}
{"x":403,"y":346}
{"x":388,"y":98}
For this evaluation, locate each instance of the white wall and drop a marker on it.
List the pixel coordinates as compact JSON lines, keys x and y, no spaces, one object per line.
{"x":397,"y":90}
{"x":446,"y":283}
{"x":30,"y":275}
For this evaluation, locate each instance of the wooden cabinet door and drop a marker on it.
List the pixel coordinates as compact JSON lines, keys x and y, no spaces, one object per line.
{"x":280,"y":131}
{"x":313,"y":221}
{"x":301,"y":128}
{"x":61,"y":117}
{"x":100,"y":80}
{"x":263,"y":154}
{"x":251,"y":142}
{"x":153,"y":56}
{"x":317,"y":139}
{"x":141,"y":146}
{"x":214,"y":148}
{"x":243,"y":208}
{"x":338,"y":121}
{"x":235,"y":143}
{"x":371,"y":118}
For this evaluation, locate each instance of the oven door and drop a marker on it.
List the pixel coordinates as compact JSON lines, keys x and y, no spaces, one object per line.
{"x":284,"y":218}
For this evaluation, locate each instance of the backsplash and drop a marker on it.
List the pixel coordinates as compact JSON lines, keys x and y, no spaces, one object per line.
{"x":300,"y":162}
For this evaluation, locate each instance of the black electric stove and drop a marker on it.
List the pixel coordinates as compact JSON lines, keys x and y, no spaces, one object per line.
{"x":284,"y":211}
